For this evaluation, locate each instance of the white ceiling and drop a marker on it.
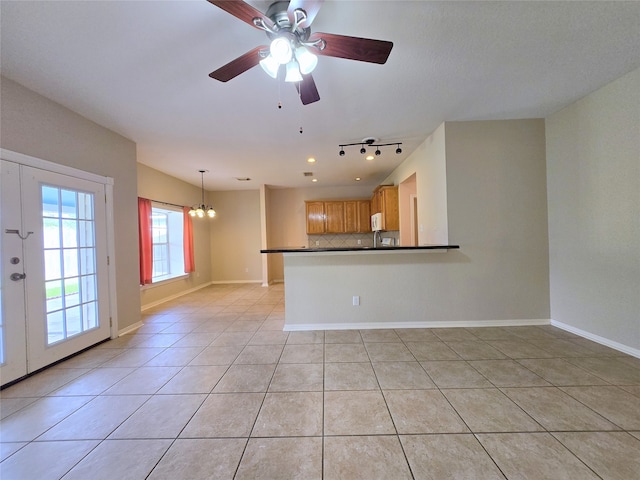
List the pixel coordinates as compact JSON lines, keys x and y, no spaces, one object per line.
{"x":141,"y":69}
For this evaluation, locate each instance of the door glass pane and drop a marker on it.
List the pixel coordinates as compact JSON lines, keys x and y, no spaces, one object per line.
{"x":51,"y":231}
{"x":71,"y":287}
{"x":70,"y":262}
{"x":69,"y":204}
{"x":52,"y":269}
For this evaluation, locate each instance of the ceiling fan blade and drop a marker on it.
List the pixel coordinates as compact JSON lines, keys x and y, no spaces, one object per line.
{"x":239,"y":65}
{"x":307,"y":90}
{"x":353,"y":48}
{"x":243,"y":11}
{"x":311,"y":8}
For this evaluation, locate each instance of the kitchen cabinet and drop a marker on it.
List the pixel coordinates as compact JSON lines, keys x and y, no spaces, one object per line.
{"x":385,"y":201}
{"x":315,"y":217}
{"x":334,"y":217}
{"x":357,"y":216}
{"x":338,"y":216}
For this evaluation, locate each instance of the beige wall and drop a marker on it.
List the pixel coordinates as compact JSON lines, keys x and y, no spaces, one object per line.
{"x":428,"y":163}
{"x":36,"y":126}
{"x":497,"y":213}
{"x":155,"y":185}
{"x":236,"y":236}
{"x":593,"y":175}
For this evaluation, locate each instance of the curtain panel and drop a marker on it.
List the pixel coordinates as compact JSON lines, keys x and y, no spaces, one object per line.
{"x":145,"y":241}
{"x":187,"y":242}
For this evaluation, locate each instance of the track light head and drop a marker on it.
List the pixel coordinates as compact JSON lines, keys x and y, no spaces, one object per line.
{"x":398,"y":150}
{"x":378,"y":151}
{"x":363,"y":150}
{"x":341,"y":153}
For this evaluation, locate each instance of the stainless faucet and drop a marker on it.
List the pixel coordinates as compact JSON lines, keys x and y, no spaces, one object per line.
{"x":376,"y":237}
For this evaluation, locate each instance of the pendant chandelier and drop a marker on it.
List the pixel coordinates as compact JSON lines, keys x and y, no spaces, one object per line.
{"x":202,"y":209}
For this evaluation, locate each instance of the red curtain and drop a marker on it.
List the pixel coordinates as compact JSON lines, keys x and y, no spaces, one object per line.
{"x":145,"y":241}
{"x":187,"y":241}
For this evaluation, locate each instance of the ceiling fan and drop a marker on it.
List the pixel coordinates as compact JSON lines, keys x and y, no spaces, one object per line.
{"x":288,"y":26}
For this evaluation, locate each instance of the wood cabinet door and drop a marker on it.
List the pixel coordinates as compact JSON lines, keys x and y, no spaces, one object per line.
{"x":315,"y":218}
{"x":334,"y":217}
{"x":351,"y":224}
{"x":364,"y":216}
{"x":375,"y":202}
{"x":390,"y":213}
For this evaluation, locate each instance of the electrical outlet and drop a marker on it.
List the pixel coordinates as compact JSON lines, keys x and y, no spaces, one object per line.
{"x":359,"y":242}
{"x":356,"y":300}
{"x":317,"y":243}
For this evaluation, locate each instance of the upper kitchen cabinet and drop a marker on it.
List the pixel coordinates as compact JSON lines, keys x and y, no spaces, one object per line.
{"x":334,"y":217}
{"x":338,"y":216}
{"x":357,"y":216}
{"x":315,"y":217}
{"x":385,"y":201}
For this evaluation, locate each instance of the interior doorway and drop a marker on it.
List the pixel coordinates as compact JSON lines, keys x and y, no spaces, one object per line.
{"x":408,"y":207}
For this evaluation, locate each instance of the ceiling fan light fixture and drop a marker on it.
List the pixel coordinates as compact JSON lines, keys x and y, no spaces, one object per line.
{"x":293,"y":72}
{"x":270,"y":65}
{"x":306,"y":60}
{"x":280,"y":50}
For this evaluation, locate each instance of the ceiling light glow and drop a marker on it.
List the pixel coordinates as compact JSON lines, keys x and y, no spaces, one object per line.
{"x":270,"y":66}
{"x":306,"y":59}
{"x":293,"y":72}
{"x":281,"y":50}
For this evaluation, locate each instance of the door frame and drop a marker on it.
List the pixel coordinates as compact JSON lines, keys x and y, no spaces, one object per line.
{"x":34,"y":162}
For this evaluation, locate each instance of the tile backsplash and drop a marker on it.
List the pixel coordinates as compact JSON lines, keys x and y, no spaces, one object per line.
{"x":347,"y":239}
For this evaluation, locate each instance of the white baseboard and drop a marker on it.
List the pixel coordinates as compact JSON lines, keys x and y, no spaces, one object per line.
{"x":130,"y":328}
{"x":446,"y":324}
{"x":598,"y":339}
{"x":228,"y":282}
{"x":173,"y":297}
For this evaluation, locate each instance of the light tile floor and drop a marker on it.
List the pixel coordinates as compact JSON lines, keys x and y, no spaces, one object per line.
{"x":211,"y":387}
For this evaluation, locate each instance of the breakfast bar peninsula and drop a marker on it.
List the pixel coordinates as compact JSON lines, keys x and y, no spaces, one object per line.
{"x":364,"y":287}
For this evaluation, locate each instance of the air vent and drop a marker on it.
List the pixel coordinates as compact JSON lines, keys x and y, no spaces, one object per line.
{"x":308,"y":174}
{"x":243,"y":179}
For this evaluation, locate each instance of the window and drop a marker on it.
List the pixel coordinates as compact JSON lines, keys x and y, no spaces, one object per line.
{"x":167,"y":236}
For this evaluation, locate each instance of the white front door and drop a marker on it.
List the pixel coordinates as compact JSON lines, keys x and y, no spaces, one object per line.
{"x":55,"y":288}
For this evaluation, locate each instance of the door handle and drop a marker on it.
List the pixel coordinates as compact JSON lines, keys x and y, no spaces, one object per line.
{"x":16,"y":277}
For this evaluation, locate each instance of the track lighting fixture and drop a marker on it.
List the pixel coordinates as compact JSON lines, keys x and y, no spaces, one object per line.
{"x":370,"y":143}
{"x":202,"y":209}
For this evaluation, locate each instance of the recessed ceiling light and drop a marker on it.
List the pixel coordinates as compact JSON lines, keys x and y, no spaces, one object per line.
{"x":311,"y":160}
{"x":358,"y":179}
{"x":314,"y":180}
{"x":369,"y":157}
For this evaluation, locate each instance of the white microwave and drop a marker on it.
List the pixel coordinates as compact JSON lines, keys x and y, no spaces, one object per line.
{"x":376,"y":222}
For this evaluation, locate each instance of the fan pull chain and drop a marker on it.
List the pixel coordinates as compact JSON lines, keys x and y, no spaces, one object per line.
{"x":279,"y":94}
{"x":300,"y":112}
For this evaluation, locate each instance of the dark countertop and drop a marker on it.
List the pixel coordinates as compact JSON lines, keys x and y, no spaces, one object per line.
{"x":356,"y":249}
